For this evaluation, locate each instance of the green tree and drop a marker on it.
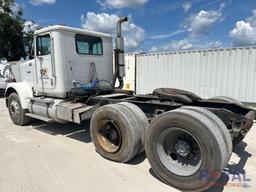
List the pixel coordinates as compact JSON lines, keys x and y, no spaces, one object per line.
{"x":11,"y":26}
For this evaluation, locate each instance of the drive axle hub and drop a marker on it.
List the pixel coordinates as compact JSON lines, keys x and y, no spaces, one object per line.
{"x":182,"y":148}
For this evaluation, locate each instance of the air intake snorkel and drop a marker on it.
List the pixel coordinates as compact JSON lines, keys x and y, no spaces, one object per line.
{"x":119,"y":55}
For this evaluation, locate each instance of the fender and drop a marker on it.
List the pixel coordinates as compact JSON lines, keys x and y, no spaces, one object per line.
{"x":22,"y":89}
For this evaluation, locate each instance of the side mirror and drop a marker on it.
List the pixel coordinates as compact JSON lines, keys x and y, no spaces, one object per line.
{"x":28,"y":46}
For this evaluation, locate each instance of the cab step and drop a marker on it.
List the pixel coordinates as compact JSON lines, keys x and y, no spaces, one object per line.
{"x":34,"y":116}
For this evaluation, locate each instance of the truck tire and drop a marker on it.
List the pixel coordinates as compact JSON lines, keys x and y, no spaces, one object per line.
{"x":115,"y":133}
{"x":17,"y":114}
{"x":185,"y":149}
{"x":176,"y":95}
{"x":141,"y":119}
{"x":219,"y":123}
{"x":224,"y":99}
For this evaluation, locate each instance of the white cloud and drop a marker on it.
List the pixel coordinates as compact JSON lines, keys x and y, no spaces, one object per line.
{"x":30,"y":27}
{"x":185,"y":44}
{"x":186,"y":6}
{"x":203,"y":22}
{"x":244,"y":32}
{"x":15,"y":9}
{"x":215,"y":44}
{"x":173,"y":46}
{"x":164,"y":36}
{"x":103,"y":22}
{"x":120,"y":4}
{"x":252,"y":19}
{"x":40,"y":2}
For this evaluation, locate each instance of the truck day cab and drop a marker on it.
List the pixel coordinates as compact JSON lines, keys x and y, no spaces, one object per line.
{"x":71,"y":79}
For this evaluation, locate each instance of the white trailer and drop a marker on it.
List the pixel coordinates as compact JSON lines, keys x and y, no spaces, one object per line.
{"x":71,"y":79}
{"x":208,"y":73}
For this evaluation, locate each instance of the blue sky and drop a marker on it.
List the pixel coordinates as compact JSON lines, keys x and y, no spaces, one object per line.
{"x":155,"y":25}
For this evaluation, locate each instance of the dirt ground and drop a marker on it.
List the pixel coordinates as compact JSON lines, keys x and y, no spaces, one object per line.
{"x":57,"y":158}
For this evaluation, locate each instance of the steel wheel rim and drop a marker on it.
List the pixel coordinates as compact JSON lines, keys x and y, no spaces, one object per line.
{"x":109,"y":136}
{"x":179,"y":151}
{"x":14,"y":109}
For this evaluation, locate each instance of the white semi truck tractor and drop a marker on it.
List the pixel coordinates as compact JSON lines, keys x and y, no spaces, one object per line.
{"x":71,"y":78}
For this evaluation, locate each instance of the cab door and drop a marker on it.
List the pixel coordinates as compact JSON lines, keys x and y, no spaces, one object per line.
{"x":44,"y":63}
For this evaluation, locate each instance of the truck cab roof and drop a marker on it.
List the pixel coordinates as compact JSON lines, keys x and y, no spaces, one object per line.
{"x":71,"y":29}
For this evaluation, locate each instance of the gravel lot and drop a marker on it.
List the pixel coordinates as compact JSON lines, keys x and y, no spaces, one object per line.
{"x":53,"y":157}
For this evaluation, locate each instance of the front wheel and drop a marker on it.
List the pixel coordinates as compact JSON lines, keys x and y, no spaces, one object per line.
{"x":185,"y":149}
{"x":17,"y":114}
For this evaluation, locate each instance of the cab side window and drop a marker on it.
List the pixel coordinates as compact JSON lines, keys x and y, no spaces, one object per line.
{"x":43,"y":44}
{"x":88,"y":45}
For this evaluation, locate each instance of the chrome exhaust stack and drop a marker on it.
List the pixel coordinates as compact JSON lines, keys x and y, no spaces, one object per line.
{"x":119,"y":55}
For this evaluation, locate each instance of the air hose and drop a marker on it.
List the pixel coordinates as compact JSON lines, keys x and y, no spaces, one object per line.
{"x":96,"y":87}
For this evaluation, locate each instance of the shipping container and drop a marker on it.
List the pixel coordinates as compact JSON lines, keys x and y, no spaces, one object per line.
{"x":208,"y":73}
